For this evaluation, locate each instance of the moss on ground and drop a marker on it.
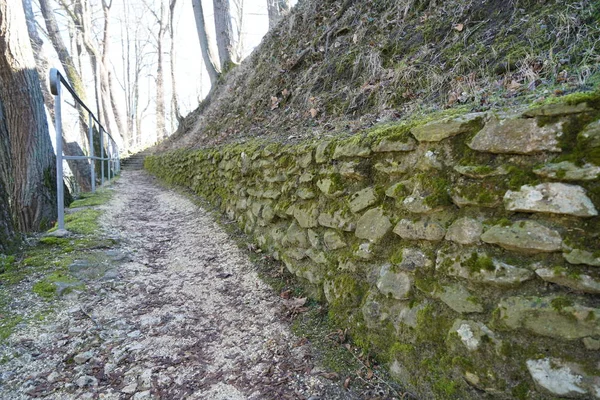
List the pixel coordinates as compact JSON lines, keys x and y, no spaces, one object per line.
{"x":46,"y":262}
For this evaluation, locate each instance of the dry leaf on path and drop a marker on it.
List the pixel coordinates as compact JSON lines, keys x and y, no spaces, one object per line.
{"x":459,"y":27}
{"x":313,"y":112}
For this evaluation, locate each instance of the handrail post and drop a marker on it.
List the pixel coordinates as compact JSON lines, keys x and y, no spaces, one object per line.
{"x":92,"y":161}
{"x":102,"y":156}
{"x":60,"y":194}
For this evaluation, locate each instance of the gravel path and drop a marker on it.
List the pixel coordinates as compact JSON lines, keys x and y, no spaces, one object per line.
{"x":185,"y":317}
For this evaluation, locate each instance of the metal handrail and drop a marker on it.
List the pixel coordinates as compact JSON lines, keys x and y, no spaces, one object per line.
{"x":111,"y":156}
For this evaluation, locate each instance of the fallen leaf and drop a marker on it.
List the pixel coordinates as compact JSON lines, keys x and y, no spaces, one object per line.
{"x":313,"y":112}
{"x":274,"y":102}
{"x":285,"y":93}
{"x":329,"y":375}
{"x":459,"y":27}
{"x":286,"y":294}
{"x":347,"y":383}
{"x":369,"y":374}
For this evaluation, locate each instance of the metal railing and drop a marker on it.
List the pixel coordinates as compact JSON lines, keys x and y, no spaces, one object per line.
{"x":109,"y":152}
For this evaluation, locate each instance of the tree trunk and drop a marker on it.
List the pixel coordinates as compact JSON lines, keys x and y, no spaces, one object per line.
{"x":161,"y":131}
{"x":276,"y":10}
{"x":7,"y":228}
{"x":32,"y":192}
{"x":174,"y":103}
{"x":224,"y":33}
{"x":71,"y":147}
{"x":207,"y":55}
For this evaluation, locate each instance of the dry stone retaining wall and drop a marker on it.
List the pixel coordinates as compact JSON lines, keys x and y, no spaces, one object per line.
{"x":464,"y":252}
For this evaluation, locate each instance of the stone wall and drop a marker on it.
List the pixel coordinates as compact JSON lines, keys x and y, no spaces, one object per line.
{"x":463,"y":251}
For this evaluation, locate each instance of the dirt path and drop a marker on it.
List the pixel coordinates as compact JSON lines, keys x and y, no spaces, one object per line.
{"x":185,"y":318}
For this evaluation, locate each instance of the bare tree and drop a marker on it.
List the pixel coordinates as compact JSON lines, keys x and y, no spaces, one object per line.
{"x":7,"y":227}
{"x":27,"y":140}
{"x":71,"y":147}
{"x":239,"y":20}
{"x":174,"y":103}
{"x":276,"y":10}
{"x":224,"y":33}
{"x":207,"y":54}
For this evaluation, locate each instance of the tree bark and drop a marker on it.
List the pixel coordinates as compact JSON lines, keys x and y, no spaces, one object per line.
{"x":207,"y":55}
{"x":161,"y":131}
{"x":32,"y":190}
{"x":224,"y":33}
{"x":276,"y":10}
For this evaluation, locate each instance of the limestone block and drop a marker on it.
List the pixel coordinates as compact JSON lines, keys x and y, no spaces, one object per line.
{"x":528,"y":237}
{"x":333,"y":240}
{"x":296,"y":254}
{"x":363,"y":199}
{"x":317,"y":256}
{"x":556,"y":110}
{"x":397,"y":190}
{"x":329,"y":188}
{"x":314,"y":239}
{"x":405,"y":313}
{"x":305,"y":193}
{"x":471,"y":333}
{"x":581,"y":282}
{"x":305,"y":159}
{"x":394,"y":284}
{"x":387,"y":145}
{"x":555,"y":198}
{"x":478,"y":267}
{"x":295,"y":236}
{"x":465,"y":231}
{"x":307,"y":216}
{"x":351,"y":149}
{"x":268,"y":213}
{"x":440,"y":130}
{"x":307,"y":177}
{"x":416,"y":203}
{"x":464,"y":196}
{"x":373,"y":312}
{"x":420,"y":230}
{"x":480,"y":171}
{"x":565,"y":379}
{"x":337,"y":220}
{"x":459,"y":299}
{"x":579,"y":256}
{"x":351,"y":170}
{"x":321,"y":155}
{"x":567,"y":171}
{"x":517,"y":136}
{"x":373,"y":225}
{"x":554,"y":317}
{"x":271,"y":194}
{"x":591,"y":134}
{"x":413,"y":259}
{"x":364,"y":251}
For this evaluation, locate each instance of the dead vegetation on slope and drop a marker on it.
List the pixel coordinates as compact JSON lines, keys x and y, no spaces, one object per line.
{"x":335,"y":67}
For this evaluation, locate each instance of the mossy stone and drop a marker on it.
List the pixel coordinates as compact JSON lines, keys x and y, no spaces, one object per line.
{"x":423,"y":229}
{"x":581,"y":282}
{"x":373,"y":225}
{"x":439,"y":130}
{"x":395,"y":284}
{"x":525,"y":236}
{"x":553,"y":198}
{"x":517,"y":136}
{"x":363,"y":199}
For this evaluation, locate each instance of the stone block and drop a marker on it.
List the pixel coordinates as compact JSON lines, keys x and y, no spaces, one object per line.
{"x":557,"y":110}
{"x":579,"y":256}
{"x":337,"y":220}
{"x":394,"y":284}
{"x":553,"y":198}
{"x":528,"y":237}
{"x":420,"y":230}
{"x":580,"y":282}
{"x":471,"y":334}
{"x":351,"y":149}
{"x":373,"y":225}
{"x":387,"y":145}
{"x":459,"y":299}
{"x":563,"y":379}
{"x":321,"y":152}
{"x":567,"y":171}
{"x":363,"y":199}
{"x":517,"y":136}
{"x":413,"y":259}
{"x":465,"y":231}
{"x":307,"y":216}
{"x":555,"y":317}
{"x":333,"y":240}
{"x":440,"y":130}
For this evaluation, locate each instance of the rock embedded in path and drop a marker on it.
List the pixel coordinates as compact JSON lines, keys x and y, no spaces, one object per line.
{"x":553,"y":198}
